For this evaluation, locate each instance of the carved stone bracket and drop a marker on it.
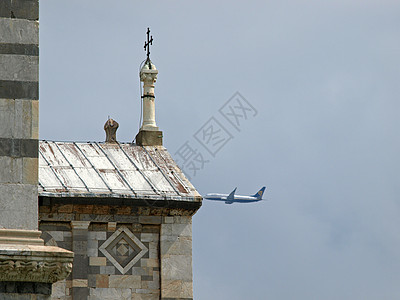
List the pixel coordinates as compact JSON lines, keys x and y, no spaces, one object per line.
{"x":34,"y":263}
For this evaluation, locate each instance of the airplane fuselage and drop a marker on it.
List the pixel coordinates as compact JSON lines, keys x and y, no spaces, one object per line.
{"x":237,"y":198}
{"x":232,"y":198}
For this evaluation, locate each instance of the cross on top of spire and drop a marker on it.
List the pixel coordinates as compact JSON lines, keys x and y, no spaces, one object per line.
{"x":148,"y":43}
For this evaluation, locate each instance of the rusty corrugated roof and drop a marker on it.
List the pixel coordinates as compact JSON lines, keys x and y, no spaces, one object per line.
{"x":68,"y":169}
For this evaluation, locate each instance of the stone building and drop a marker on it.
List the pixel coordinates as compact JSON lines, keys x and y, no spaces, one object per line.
{"x":124,"y":209}
{"x":118,"y":215}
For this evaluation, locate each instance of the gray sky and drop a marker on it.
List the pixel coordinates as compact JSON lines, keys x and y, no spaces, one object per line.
{"x":324,"y":79}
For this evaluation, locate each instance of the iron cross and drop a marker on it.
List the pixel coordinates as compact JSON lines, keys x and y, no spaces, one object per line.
{"x":148,"y":43}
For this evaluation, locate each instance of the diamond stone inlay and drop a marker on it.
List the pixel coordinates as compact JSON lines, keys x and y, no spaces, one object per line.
{"x":123,"y":249}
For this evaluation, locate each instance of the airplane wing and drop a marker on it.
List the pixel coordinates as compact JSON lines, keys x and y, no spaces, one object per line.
{"x":231,"y":196}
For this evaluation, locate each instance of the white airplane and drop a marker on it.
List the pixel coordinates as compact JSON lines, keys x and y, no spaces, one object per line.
{"x":232,"y":198}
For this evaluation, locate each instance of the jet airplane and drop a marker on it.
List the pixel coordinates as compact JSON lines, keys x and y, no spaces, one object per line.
{"x":232,"y":198}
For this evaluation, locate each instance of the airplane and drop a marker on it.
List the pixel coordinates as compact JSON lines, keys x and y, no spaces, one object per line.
{"x":232,"y":198}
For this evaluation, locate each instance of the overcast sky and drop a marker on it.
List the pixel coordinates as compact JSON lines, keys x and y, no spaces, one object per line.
{"x":323,"y":80}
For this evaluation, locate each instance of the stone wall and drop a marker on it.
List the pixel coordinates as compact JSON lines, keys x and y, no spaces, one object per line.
{"x":176,"y":258}
{"x":129,"y":255}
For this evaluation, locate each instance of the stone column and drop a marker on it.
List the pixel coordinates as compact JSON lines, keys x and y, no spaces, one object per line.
{"x":149,"y":134}
{"x":19,"y":108}
{"x":80,"y":288}
{"x":176,"y":258}
{"x":27,"y":267}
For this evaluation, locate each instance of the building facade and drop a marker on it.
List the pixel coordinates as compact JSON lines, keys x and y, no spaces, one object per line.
{"x":126,"y":212}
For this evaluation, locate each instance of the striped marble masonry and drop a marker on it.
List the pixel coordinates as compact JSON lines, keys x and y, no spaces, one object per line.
{"x":19,"y":77}
{"x":19,"y":107}
{"x":19,"y":59}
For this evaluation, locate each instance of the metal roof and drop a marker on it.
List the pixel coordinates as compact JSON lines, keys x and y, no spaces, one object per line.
{"x":93,"y":170}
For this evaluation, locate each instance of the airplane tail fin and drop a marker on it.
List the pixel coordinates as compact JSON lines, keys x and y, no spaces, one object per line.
{"x":260,"y":193}
{"x":231,"y":196}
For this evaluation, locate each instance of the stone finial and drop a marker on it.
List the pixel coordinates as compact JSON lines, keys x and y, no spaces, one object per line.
{"x":111,"y":127}
{"x":149,"y":134}
{"x":148,"y":75}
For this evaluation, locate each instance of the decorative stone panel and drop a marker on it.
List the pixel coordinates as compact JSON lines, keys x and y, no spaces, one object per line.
{"x":121,"y":260}
{"x":123,"y":249}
